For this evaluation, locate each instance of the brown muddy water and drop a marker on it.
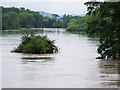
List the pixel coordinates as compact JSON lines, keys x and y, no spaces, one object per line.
{"x":74,"y":66}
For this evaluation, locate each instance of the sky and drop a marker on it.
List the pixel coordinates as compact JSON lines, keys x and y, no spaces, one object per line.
{"x":52,"y":6}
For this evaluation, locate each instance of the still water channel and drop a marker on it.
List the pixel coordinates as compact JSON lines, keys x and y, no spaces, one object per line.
{"x":74,"y":66}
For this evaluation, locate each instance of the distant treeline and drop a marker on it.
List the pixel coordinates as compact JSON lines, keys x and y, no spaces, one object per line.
{"x":15,"y":18}
{"x":103,"y":20}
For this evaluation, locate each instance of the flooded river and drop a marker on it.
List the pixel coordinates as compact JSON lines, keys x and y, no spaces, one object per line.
{"x":74,"y":66}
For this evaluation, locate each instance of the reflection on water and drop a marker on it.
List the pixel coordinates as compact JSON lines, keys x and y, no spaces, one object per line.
{"x":109,"y":67}
{"x":48,"y":59}
{"x":110,"y":72}
{"x":74,"y":66}
{"x":38,"y":58}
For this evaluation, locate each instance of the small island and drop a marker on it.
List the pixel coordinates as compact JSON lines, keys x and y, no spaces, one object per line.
{"x":36,"y":44}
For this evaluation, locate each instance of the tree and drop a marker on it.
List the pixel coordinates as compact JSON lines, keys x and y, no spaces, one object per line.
{"x":48,"y":22}
{"x":92,"y":7}
{"x":110,"y":43}
{"x":10,"y":20}
{"x":106,"y":23}
{"x":38,"y":20}
{"x":26,"y":20}
{"x":57,"y":24}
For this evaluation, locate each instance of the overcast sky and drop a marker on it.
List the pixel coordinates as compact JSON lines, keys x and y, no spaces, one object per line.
{"x":53,"y":6}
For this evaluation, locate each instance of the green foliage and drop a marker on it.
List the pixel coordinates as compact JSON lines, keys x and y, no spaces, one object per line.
{"x":78,"y":24}
{"x":57,"y":24}
{"x":48,"y":22}
{"x":73,"y":26}
{"x":102,"y":20}
{"x":15,"y":18}
{"x":36,"y":44}
{"x":38,"y":20}
{"x":92,"y":7}
{"x":106,"y":23}
{"x":26,"y":20}
{"x":13,"y":9}
{"x":110,"y":23}
{"x":67,"y":19}
{"x":10,"y":20}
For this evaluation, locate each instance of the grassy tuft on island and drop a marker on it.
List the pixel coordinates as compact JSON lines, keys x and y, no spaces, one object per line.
{"x":36,"y":44}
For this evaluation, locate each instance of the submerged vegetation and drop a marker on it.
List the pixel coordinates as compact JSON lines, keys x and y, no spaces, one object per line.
{"x":36,"y":44}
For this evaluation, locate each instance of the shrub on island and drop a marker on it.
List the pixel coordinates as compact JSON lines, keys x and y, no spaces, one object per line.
{"x":36,"y":44}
